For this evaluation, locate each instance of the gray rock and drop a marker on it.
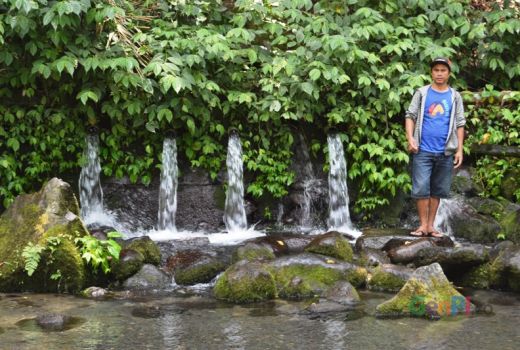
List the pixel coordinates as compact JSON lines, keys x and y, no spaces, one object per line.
{"x":54,"y":322}
{"x":388,"y":277}
{"x":149,"y":277}
{"x":408,"y":252}
{"x":343,"y":293}
{"x":473,"y":226}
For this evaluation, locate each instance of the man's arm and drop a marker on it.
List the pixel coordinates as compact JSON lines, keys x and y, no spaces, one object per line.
{"x":410,"y":126}
{"x":459,"y":154}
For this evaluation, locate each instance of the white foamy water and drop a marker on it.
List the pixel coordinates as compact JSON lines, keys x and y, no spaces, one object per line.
{"x":234,"y":212}
{"x":168,"y":188}
{"x":447,"y":209}
{"x":219,"y":238}
{"x":339,"y":215}
{"x":90,"y":192}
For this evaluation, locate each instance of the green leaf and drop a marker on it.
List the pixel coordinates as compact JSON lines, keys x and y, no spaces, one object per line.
{"x":315,"y":74}
{"x":14,"y":144}
{"x":307,"y":88}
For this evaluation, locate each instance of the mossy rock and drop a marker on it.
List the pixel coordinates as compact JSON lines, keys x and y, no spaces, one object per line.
{"x":129,"y":263}
{"x":332,"y":244}
{"x":301,"y":281}
{"x":510,"y":226}
{"x":308,"y":275}
{"x":484,"y":276}
{"x":146,"y":246}
{"x":253,"y":251}
{"x":426,"y":294}
{"x":33,"y":218}
{"x":245,"y":282}
{"x":486,"y":206}
{"x":388,"y":278}
{"x":203,"y":270}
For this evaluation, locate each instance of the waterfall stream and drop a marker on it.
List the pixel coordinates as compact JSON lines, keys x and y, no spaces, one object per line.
{"x":168,"y":188}
{"x":235,"y":213}
{"x":339,"y":215}
{"x":90,"y":192}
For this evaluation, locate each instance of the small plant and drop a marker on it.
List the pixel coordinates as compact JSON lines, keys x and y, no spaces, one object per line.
{"x":99,"y":252}
{"x":32,"y":255}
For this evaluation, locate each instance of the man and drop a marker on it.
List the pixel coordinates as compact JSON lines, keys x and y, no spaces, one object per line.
{"x":435,"y":133}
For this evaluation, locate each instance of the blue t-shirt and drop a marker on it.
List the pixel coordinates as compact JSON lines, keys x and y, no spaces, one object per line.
{"x":436,"y":121}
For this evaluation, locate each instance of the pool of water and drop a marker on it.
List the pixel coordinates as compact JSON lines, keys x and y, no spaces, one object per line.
{"x":196,"y":321}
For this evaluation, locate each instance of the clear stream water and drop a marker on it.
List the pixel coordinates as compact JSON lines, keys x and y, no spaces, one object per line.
{"x":196,"y":321}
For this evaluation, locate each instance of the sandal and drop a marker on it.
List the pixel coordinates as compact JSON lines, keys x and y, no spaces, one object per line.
{"x":435,"y":234}
{"x":418,"y":233}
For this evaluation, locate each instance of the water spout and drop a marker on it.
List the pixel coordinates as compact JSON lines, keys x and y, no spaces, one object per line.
{"x":90,"y":192}
{"x":339,"y":215}
{"x":168,"y":188}
{"x":235,"y":213}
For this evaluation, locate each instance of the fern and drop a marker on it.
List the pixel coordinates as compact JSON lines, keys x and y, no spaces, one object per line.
{"x":32,"y":255}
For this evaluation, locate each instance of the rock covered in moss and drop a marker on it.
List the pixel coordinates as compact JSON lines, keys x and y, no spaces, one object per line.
{"x":254,"y":251}
{"x":246,"y":282}
{"x":332,"y":244}
{"x":190,"y":267}
{"x":388,"y":278}
{"x":428,"y":294}
{"x":510,"y":225}
{"x":130,"y":261}
{"x":147,"y":247}
{"x":50,"y":214}
{"x":309,"y":275}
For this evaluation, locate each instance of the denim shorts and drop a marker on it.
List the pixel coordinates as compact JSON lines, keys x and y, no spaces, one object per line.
{"x":431,"y":175}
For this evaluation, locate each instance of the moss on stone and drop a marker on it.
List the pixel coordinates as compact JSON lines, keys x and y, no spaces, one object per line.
{"x":357,"y":277}
{"x":16,"y":233}
{"x":385,"y":281}
{"x":305,"y":281}
{"x":129,"y":263}
{"x":333,"y":245}
{"x":198,"y":273}
{"x":245,"y":284}
{"x":147,"y":247}
{"x":252,"y":251}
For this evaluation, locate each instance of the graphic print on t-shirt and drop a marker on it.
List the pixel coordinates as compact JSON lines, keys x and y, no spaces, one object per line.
{"x":436,"y":121}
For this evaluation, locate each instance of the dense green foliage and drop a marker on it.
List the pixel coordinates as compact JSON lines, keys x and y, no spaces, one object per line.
{"x":98,"y":253}
{"x":137,"y":69}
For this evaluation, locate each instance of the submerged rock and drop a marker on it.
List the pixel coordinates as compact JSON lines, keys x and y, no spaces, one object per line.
{"x":246,"y":282}
{"x":389,"y":278}
{"x":332,"y":244}
{"x":96,"y":293}
{"x":149,"y":277}
{"x":48,"y":218}
{"x":54,"y":322}
{"x":427,"y":293}
{"x":343,"y":292}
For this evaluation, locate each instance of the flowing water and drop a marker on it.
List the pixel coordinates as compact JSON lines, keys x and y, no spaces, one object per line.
{"x":90,"y":192}
{"x":235,"y":213}
{"x":196,"y":321}
{"x":339,"y":215}
{"x":168,"y":188}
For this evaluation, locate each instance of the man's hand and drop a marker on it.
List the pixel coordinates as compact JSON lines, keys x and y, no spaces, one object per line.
{"x":457,"y":159}
{"x":412,"y":146}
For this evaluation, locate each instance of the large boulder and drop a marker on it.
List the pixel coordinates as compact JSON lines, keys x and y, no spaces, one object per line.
{"x":473,"y":226}
{"x":245,"y":282}
{"x":428,"y":294}
{"x":309,"y":275}
{"x":254,"y":251}
{"x":129,"y":263}
{"x":49,"y":219}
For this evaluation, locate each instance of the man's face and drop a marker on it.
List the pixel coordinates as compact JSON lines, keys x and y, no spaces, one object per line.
{"x":440,"y":74}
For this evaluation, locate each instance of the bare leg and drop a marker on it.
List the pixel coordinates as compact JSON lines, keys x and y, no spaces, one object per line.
{"x":433,"y":205}
{"x":422,"y":210}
